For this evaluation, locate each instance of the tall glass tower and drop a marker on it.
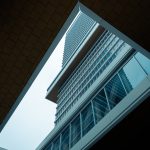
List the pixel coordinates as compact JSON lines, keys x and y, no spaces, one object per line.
{"x":97,"y":85}
{"x":76,"y":34}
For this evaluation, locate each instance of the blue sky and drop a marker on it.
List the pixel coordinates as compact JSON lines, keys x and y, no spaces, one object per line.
{"x":34,"y":117}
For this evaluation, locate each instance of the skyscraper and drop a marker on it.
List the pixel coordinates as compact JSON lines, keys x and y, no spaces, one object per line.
{"x":102,"y":79}
{"x":80,"y":28}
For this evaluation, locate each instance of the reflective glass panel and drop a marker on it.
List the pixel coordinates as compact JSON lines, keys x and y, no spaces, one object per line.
{"x":115,"y":91}
{"x":56,"y":144}
{"x":87,"y":119}
{"x":100,"y":106}
{"x":65,"y":140}
{"x":48,"y":147}
{"x":75,"y":131}
{"x":144,"y":62}
{"x":132,"y":74}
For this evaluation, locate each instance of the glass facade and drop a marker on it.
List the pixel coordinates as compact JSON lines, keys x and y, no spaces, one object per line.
{"x":77,"y":33}
{"x":87,"y":119}
{"x":103,"y":52}
{"x":56,"y":144}
{"x":103,"y":101}
{"x":75,"y":130}
{"x":48,"y":147}
{"x":65,"y":139}
{"x":115,"y":91}
{"x":130,"y":79}
{"x":144,"y":62}
{"x":100,"y":106}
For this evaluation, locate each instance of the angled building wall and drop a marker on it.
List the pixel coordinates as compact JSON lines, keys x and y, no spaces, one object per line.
{"x":99,"y":92}
{"x":76,"y":34}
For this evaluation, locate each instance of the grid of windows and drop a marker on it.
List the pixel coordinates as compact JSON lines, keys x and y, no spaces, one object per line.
{"x":103,"y":101}
{"x":90,"y":68}
{"x":77,"y":34}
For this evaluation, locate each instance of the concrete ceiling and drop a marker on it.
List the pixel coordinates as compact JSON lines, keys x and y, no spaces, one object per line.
{"x":28,"y":27}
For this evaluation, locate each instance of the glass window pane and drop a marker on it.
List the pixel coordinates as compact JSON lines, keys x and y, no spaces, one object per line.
{"x":125,"y":81}
{"x":48,"y":147}
{"x":115,"y":91}
{"x":56,"y":144}
{"x":132,"y":74}
{"x":65,"y":140}
{"x":144,"y":61}
{"x":87,"y":119}
{"x":75,"y":131}
{"x":100,"y":106}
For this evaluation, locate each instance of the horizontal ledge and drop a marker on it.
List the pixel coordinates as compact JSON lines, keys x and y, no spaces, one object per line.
{"x":73,"y":63}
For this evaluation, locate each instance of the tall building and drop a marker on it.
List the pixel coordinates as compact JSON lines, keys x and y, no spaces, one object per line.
{"x":103,"y":78}
{"x":79,"y":30}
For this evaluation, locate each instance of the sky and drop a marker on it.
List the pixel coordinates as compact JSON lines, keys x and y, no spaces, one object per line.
{"x":34,"y":117}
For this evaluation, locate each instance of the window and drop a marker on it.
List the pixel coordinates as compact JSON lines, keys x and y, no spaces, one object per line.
{"x":56,"y":144}
{"x":100,"y":106}
{"x":75,"y":131}
{"x":65,"y":140}
{"x":87,"y":119}
{"x":144,"y":62}
{"x":115,"y":91}
{"x":132,"y":74}
{"x":110,"y":95}
{"x":48,"y":147}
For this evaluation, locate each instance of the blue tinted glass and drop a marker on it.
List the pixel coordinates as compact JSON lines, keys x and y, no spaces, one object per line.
{"x":75,"y":131}
{"x":65,"y":140}
{"x":48,"y":147}
{"x":125,"y":81}
{"x":56,"y":144}
{"x":115,"y":91}
{"x":100,"y":106}
{"x":87,"y":119}
{"x":132,"y":74}
{"x":144,"y":61}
